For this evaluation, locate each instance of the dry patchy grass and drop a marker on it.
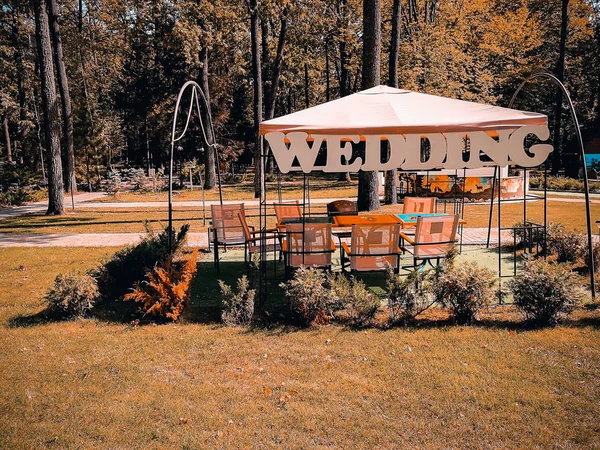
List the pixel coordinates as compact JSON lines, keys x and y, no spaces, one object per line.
{"x":93,"y":384}
{"x":291,"y":189}
{"x":119,"y":220}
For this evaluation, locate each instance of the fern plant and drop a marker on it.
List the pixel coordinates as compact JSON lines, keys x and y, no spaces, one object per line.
{"x":167,"y":290}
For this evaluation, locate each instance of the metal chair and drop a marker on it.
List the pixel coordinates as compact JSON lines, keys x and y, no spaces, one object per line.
{"x":342,"y":208}
{"x":307,"y":244}
{"x":253,"y":239}
{"x":425,"y":205}
{"x":287,"y":211}
{"x":372,"y":248}
{"x":434,"y":237}
{"x":226,"y":228}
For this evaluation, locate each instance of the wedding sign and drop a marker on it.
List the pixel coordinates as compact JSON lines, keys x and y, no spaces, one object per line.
{"x":446,"y":150}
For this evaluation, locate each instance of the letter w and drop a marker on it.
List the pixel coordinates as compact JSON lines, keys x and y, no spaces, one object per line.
{"x":299,"y":148}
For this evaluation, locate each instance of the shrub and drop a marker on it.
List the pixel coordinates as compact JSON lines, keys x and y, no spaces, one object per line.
{"x":72,"y":295}
{"x":238,"y":306}
{"x":463,"y":288}
{"x":408,"y":296}
{"x":310,"y":296}
{"x":139,"y":182}
{"x":522,"y":233}
{"x":565,"y":246}
{"x":130,"y":265}
{"x":595,"y":253}
{"x":545,"y":291}
{"x":355,"y":298}
{"x":113,"y":184}
{"x":167,"y":290}
{"x":17,"y":185}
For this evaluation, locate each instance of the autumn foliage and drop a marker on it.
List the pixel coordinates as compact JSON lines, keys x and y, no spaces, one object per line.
{"x":167,"y":289}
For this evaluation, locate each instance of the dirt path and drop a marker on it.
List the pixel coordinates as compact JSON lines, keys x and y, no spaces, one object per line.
{"x":471,"y":236}
{"x":41,"y":207}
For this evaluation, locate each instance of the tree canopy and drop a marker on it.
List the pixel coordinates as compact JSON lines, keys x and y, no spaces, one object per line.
{"x":126,"y":60}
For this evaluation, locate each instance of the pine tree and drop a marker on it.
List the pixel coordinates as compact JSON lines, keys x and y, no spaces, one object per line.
{"x":50,"y":109}
{"x":368,"y":183}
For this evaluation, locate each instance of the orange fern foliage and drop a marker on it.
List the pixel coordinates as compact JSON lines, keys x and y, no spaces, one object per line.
{"x":167,"y":290}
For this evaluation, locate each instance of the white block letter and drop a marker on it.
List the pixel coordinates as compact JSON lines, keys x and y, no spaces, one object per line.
{"x":335,"y":151}
{"x":299,"y":148}
{"x":539,"y":151}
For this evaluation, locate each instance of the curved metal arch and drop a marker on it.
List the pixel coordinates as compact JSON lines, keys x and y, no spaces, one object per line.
{"x":194,"y":101}
{"x":564,"y":90}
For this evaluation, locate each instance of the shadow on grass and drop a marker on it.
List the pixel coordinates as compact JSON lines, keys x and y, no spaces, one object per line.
{"x":41,"y":318}
{"x":86,"y":221}
{"x":206,"y":305}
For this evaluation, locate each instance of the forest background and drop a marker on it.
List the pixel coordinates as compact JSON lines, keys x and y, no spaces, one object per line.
{"x":123,"y":63}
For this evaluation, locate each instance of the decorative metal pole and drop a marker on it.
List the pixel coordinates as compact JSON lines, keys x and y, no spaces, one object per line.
{"x":196,"y":93}
{"x":583,"y":162}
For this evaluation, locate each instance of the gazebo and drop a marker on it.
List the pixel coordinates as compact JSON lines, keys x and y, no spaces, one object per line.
{"x":422,"y":133}
{"x":460,"y":135}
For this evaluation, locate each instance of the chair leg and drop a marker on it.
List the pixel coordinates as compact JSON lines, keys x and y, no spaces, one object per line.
{"x":216,"y":255}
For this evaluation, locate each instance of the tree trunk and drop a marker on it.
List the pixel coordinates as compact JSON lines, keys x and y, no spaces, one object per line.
{"x":7,"y":139}
{"x":560,"y":74}
{"x":343,"y":75}
{"x":271,"y":93}
{"x":327,"y":83}
{"x":20,"y":84}
{"x":36,"y":116}
{"x":391,"y":197}
{"x":343,"y":80}
{"x":50,"y":109}
{"x":368,"y":183}
{"x":306,"y":86}
{"x":63,"y":83}
{"x":147,"y":136}
{"x":257,"y":82}
{"x":209,"y":152}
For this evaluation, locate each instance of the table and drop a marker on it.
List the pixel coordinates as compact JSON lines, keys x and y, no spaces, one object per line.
{"x":364,"y":219}
{"x":411,"y":218}
{"x":314,"y":219}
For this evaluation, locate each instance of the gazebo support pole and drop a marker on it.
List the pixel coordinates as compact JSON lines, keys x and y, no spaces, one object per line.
{"x":262,"y":212}
{"x":499,"y":226}
{"x":487,"y":245}
{"x":545,"y":209}
{"x":583,"y":163}
{"x":279,"y":197}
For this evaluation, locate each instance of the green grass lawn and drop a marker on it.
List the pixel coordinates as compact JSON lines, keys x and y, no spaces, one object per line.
{"x":99,"y":384}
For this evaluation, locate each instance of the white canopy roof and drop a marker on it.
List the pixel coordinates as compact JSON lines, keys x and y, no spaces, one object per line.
{"x":385,"y":110}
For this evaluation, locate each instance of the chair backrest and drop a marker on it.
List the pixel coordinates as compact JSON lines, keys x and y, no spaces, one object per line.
{"x":308,"y":244}
{"x":287,"y":211}
{"x":425,"y":205}
{"x":226,"y":220}
{"x":245,"y":227}
{"x":435,"y":235}
{"x":374,"y":247}
{"x":341,"y":207}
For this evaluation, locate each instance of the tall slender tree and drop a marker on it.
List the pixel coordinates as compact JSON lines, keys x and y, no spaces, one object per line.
{"x":560,"y":74}
{"x":7,"y":138}
{"x":209,"y":153}
{"x":50,"y":108}
{"x":20,"y":73}
{"x":390,"y":175}
{"x":368,"y":184}
{"x":63,"y":84}
{"x":257,"y":84}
